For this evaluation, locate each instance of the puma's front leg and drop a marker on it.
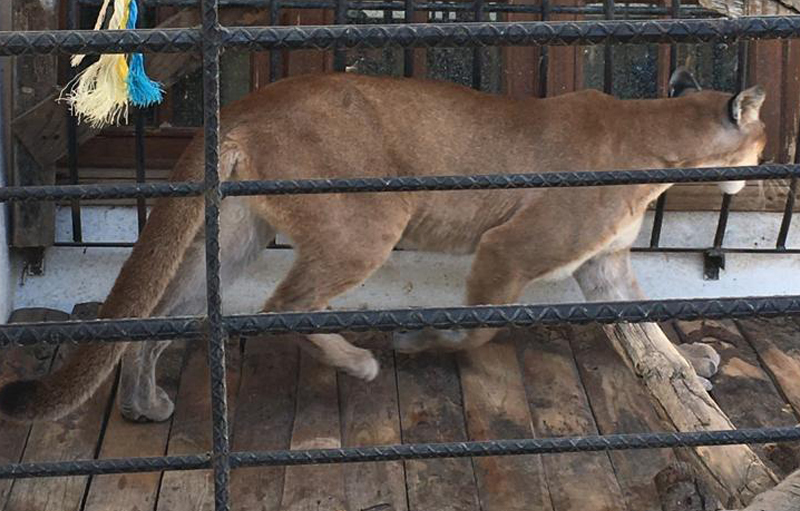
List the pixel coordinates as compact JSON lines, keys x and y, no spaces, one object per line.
{"x":609,"y":277}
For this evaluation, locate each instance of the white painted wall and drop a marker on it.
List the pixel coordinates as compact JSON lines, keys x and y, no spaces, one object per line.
{"x":75,"y":275}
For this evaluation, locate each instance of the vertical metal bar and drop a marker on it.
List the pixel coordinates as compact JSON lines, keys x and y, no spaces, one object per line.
{"x":213,"y":199}
{"x":742,"y":62}
{"x":72,"y":137}
{"x":141,"y":208}
{"x":340,"y":18}
{"x":722,"y":223}
{"x":275,"y":60}
{"x":608,"y":65}
{"x":477,"y":53}
{"x":658,"y":217}
{"x":788,"y":210}
{"x":544,"y":54}
{"x":408,"y":54}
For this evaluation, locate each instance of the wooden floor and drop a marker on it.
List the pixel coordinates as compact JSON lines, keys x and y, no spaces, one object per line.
{"x":540,"y":382}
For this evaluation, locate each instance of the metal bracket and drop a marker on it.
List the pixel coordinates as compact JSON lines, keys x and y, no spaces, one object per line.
{"x":713,"y":262}
{"x":33,"y":261}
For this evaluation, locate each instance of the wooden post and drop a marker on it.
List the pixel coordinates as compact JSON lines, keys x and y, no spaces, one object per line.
{"x":33,"y":79}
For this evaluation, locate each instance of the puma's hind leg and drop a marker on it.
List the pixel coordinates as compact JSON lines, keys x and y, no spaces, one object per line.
{"x":243,"y":235}
{"x":325,"y":269}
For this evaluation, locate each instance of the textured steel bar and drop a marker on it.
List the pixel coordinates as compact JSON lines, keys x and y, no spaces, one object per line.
{"x":515,"y":447}
{"x":212,"y":35}
{"x":109,"y":191}
{"x":408,"y":55}
{"x":393,"y":184}
{"x":722,"y":222}
{"x":400,"y":319}
{"x":72,"y":136}
{"x":788,"y":211}
{"x":340,"y":18}
{"x":608,"y":52}
{"x":104,"y":466}
{"x":141,"y":207}
{"x":405,"y":36}
{"x":275,"y":57}
{"x":544,"y":53}
{"x":658,"y":220}
{"x":477,"y":53}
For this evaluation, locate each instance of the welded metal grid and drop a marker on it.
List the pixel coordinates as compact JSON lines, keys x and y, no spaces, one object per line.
{"x":210,"y":39}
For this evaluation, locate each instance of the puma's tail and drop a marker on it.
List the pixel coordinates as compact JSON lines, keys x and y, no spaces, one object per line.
{"x":170,"y":230}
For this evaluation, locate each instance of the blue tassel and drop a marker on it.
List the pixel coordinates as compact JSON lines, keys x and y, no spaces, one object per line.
{"x":142,"y":91}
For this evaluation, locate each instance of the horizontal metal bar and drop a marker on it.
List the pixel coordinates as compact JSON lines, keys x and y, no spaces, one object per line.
{"x":690,"y":10}
{"x":514,"y":447}
{"x":104,"y":466}
{"x":400,"y":319}
{"x":406,"y":35}
{"x":397,"y":184}
{"x":407,"y":452}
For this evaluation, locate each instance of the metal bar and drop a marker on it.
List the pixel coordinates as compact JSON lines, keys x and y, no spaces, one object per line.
{"x":340,"y":18}
{"x":141,"y":207}
{"x":608,"y":52}
{"x":275,"y":57}
{"x":788,"y":211}
{"x":477,"y":53}
{"x":405,"y":36}
{"x":137,"y":330}
{"x":212,"y":36}
{"x":72,"y":136}
{"x":544,"y":53}
{"x":658,"y":220}
{"x":395,"y":184}
{"x":722,"y":223}
{"x":242,"y":459}
{"x":408,"y":55}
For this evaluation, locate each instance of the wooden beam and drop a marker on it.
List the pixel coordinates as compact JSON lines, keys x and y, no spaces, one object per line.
{"x":40,"y":125}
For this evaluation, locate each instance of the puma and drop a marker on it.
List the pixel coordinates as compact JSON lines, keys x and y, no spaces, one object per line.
{"x":349,"y":125}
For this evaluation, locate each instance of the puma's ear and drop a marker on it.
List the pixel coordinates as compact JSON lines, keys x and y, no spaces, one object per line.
{"x":682,"y":82}
{"x":744,"y":107}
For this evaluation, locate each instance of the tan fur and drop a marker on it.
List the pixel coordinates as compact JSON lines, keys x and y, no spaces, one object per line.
{"x":354,"y":126}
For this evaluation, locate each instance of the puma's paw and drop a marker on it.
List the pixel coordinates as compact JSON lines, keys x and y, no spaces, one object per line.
{"x":703,"y":358}
{"x":428,"y":340}
{"x":364,"y":368}
{"x":142,"y":409}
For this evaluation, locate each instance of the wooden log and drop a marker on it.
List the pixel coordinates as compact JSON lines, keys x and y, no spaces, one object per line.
{"x":40,"y":127}
{"x":674,"y":386}
{"x":316,"y":426}
{"x":370,"y":416}
{"x":431,"y":411}
{"x":497,"y":408}
{"x":621,"y":404}
{"x":559,"y":407}
{"x":743,"y":389}
{"x":264,"y":414}
{"x":680,"y":489}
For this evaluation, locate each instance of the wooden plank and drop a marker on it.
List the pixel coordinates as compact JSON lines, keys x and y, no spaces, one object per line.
{"x":742,"y":388}
{"x":40,"y":128}
{"x":300,"y":62}
{"x":565,"y":73}
{"x":264,"y":416}
{"x":316,"y":425}
{"x":431,"y":410}
{"x":370,"y":416}
{"x":22,"y":363}
{"x":74,"y":437}
{"x":191,"y":430}
{"x":496,"y":408}
{"x":521,"y":63}
{"x":124,"y":438}
{"x":790,"y":101}
{"x":560,"y":407}
{"x":765,"y":70}
{"x":621,"y":405}
{"x":33,"y":78}
{"x":775,"y":341}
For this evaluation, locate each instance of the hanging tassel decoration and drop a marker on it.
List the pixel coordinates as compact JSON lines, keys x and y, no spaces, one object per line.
{"x":101,"y":94}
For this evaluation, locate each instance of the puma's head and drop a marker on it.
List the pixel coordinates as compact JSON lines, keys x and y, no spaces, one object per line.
{"x":740,"y":134}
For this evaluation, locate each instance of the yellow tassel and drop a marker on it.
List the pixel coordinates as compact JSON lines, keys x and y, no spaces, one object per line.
{"x":99,"y":94}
